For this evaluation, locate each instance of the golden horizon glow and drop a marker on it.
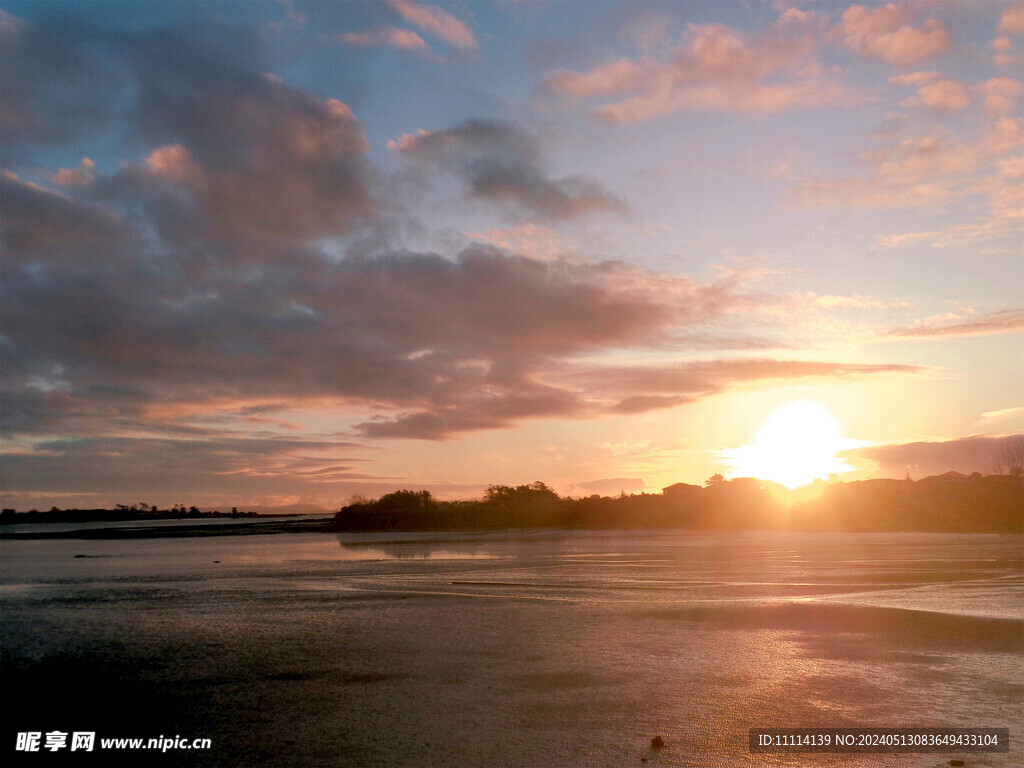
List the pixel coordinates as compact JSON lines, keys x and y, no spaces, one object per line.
{"x":795,"y":446}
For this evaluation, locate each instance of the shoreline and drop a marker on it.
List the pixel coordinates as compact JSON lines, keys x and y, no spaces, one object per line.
{"x":183,"y":531}
{"x":329,"y":525}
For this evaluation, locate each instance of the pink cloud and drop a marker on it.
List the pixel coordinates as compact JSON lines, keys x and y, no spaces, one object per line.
{"x":927,"y":170}
{"x":886,"y":34}
{"x":944,"y":96}
{"x":403,"y":39}
{"x":437,"y":22}
{"x":721,"y":69}
{"x":1012,"y":20}
{"x":1005,"y":189}
{"x":1004,"y":49}
{"x":795,"y":16}
{"x":1003,"y":136}
{"x":619,"y":76}
{"x":1001,"y":95}
{"x":915,"y":78}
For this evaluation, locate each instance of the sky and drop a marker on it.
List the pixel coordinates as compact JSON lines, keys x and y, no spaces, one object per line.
{"x":284,"y":252}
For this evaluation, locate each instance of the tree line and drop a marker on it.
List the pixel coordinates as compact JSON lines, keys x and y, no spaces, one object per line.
{"x":950,"y":503}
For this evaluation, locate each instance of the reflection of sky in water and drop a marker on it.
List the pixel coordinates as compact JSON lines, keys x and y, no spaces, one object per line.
{"x":970,"y":575}
{"x":567,"y":649}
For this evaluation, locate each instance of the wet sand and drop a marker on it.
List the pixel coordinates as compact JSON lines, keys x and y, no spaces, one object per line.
{"x":568,"y":650}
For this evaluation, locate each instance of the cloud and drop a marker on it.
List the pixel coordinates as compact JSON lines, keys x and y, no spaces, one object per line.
{"x":54,"y":86}
{"x":1004,"y":414}
{"x":885,"y":33}
{"x":1006,"y":321}
{"x":915,"y":78}
{"x":526,"y":239}
{"x":617,"y":77}
{"x":944,"y":96}
{"x":721,"y":69}
{"x":403,"y":39}
{"x":122,"y":333}
{"x":1012,"y":20}
{"x":437,"y":22}
{"x":965,"y":455}
{"x":103,"y":327}
{"x":657,"y":385}
{"x":1001,"y":95}
{"x":237,"y":158}
{"x":42,"y":224}
{"x":567,"y":390}
{"x":229,"y":468}
{"x":929,"y":170}
{"x":501,"y":163}
{"x":85,"y":173}
{"x":241,"y":158}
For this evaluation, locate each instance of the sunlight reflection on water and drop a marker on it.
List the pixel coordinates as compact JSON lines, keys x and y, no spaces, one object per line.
{"x":547,"y":648}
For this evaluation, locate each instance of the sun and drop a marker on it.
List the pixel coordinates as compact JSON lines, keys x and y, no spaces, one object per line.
{"x":795,"y":446}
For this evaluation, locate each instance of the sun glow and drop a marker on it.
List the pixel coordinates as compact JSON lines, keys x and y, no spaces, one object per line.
{"x":795,"y":446}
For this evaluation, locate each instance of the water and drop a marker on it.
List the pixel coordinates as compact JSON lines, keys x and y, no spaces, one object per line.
{"x":514,"y":649}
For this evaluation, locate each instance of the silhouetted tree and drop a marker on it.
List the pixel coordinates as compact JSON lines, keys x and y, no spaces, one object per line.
{"x":1010,"y":460}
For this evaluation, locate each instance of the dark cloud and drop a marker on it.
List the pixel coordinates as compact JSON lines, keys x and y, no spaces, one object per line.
{"x":236,"y":159}
{"x":501,"y":163}
{"x":101,"y":328}
{"x":156,"y":469}
{"x":242,"y":158}
{"x":966,"y":454}
{"x":53,"y":84}
{"x":502,"y":406}
{"x":41,"y":224}
{"x":459,"y":341}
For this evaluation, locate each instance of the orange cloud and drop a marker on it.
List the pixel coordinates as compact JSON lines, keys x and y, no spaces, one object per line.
{"x":886,"y":34}
{"x":1007,"y":321}
{"x":526,"y":239}
{"x":76,"y":177}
